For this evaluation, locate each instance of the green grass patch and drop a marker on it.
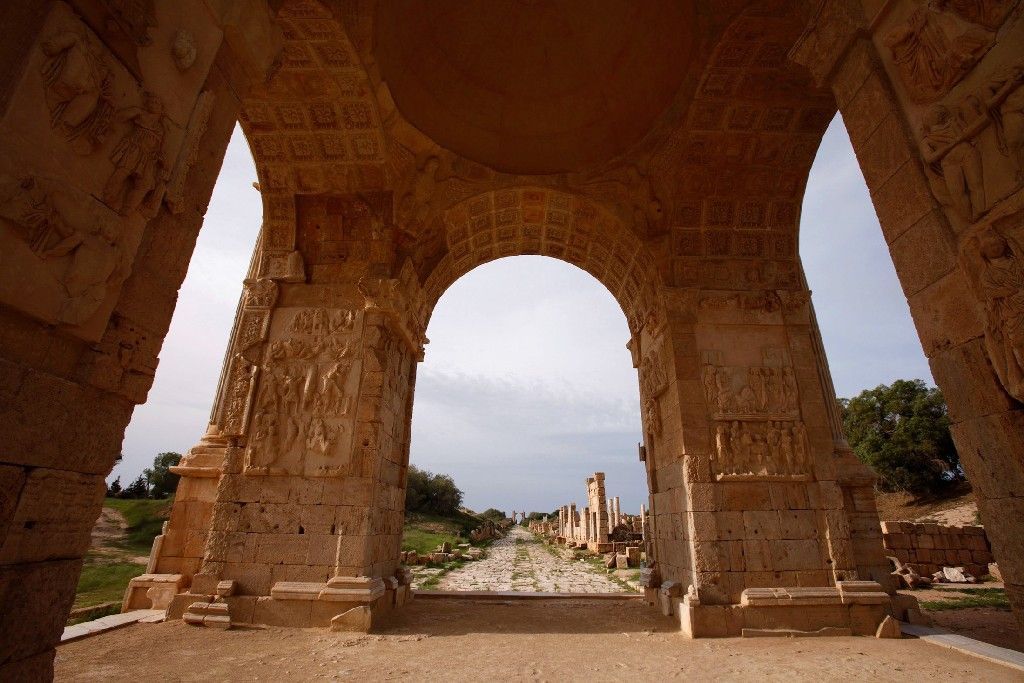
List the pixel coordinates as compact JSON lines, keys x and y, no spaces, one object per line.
{"x":423,"y":533}
{"x":145,"y":519}
{"x":976,"y":597}
{"x":104,"y":581}
{"x":436,"y":578}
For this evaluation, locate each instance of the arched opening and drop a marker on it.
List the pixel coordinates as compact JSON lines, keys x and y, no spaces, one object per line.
{"x":527,"y":389}
{"x":193,"y":351}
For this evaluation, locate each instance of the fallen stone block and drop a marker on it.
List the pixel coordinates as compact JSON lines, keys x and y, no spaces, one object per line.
{"x":355,"y":619}
{"x":889,"y":628}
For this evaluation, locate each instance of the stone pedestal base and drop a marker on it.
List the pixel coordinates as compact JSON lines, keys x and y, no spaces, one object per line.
{"x":344,"y":603}
{"x":152,"y":591}
{"x":849,"y":608}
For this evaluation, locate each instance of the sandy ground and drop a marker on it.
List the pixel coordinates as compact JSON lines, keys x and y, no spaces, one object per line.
{"x":957,"y":510}
{"x":521,"y":562}
{"x":476,"y":641}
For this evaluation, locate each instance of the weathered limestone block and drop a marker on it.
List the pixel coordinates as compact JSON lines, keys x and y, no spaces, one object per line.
{"x":152,"y":591}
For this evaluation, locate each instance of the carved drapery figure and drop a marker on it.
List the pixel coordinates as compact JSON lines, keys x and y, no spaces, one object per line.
{"x":78,"y":90}
{"x":139,"y":168}
{"x":1001,"y":284}
{"x":954,"y":168}
{"x":1006,"y":109}
{"x":934,"y":49}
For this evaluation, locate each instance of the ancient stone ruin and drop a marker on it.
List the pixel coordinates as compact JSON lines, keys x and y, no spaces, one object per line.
{"x":600,"y":527}
{"x":661,"y":146}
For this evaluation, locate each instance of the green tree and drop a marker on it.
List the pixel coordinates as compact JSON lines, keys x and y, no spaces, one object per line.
{"x":431,"y":493}
{"x":114,"y":489}
{"x":137,"y":489}
{"x":493,"y":514}
{"x":902,"y":432}
{"x":162,"y":482}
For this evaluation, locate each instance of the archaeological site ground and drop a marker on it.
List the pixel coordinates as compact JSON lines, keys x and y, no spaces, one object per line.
{"x":662,"y":146}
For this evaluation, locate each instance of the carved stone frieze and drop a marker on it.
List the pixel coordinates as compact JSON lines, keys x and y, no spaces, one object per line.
{"x":241,"y":379}
{"x":974,"y":149}
{"x":761,"y":449}
{"x":761,"y":392}
{"x":303,"y":419}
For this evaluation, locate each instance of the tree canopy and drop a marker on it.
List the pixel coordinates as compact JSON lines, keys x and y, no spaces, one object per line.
{"x":431,"y":493}
{"x":902,"y":432}
{"x":162,"y":482}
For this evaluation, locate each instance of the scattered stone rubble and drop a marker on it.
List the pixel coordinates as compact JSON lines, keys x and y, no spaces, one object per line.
{"x":442,"y":554}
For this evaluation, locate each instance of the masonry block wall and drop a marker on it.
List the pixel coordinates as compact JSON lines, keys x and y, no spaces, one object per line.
{"x":930,"y":547}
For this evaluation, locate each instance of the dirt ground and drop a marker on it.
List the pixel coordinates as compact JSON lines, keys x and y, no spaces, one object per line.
{"x":466,"y":640}
{"x":957,"y":510}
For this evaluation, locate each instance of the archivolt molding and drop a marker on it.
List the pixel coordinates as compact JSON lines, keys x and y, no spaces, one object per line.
{"x":542,"y":221}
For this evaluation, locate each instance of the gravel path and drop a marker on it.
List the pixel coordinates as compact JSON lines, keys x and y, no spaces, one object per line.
{"x":522,"y":562}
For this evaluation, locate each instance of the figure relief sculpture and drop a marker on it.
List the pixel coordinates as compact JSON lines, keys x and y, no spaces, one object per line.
{"x":999,"y":259}
{"x":310,"y":379}
{"x":419,"y":203}
{"x":652,"y":417}
{"x":775,"y":449}
{"x":954,"y":164}
{"x":189,"y":154}
{"x":1005,"y":103}
{"x":653,"y":378}
{"x":953,"y":145}
{"x":78,"y":90}
{"x":750,"y":392}
{"x":934,"y":49}
{"x":95,"y":259}
{"x":139,"y":166}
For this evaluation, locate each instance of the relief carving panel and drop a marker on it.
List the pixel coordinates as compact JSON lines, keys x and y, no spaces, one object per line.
{"x":303,"y":419}
{"x":994,"y":256}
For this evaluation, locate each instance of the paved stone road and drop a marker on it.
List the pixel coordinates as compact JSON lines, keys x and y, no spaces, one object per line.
{"x":522,"y":562}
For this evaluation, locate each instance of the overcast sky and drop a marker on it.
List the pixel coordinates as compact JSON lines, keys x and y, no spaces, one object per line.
{"x":527,"y":387}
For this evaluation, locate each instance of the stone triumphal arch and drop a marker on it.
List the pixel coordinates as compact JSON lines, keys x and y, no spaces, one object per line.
{"x":661,"y":146}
